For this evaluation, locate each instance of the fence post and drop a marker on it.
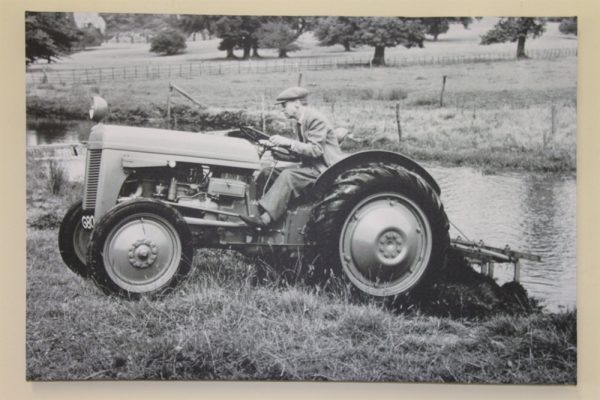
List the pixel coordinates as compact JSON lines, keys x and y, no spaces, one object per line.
{"x":169,"y":106}
{"x":548,"y":138}
{"x":443,"y":88}
{"x":262,"y":112}
{"x":398,"y":123}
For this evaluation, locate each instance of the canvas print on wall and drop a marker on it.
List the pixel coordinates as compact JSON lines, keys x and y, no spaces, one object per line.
{"x":301,"y":198}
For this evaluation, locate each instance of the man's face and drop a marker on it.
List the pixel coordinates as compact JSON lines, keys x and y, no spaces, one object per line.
{"x":291,"y":109}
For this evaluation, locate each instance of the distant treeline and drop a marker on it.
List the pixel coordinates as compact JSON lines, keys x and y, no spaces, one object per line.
{"x":51,"y":35}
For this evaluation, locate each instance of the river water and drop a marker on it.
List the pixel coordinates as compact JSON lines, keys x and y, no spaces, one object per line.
{"x":535,"y":213}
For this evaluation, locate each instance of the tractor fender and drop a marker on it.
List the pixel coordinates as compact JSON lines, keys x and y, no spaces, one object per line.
{"x":324,"y":183}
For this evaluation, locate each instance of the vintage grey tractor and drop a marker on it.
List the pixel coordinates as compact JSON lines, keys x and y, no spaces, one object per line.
{"x":154,"y":196}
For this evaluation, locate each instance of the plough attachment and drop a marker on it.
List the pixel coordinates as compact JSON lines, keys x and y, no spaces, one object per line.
{"x":486,"y":256}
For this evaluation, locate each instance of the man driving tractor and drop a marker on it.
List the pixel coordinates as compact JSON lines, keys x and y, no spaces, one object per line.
{"x":317,"y":146}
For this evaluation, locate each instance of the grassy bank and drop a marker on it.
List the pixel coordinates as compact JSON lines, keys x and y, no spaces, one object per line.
{"x":503,"y":115}
{"x":223,"y":324}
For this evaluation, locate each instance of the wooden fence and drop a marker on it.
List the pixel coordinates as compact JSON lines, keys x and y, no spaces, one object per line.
{"x":189,"y":70}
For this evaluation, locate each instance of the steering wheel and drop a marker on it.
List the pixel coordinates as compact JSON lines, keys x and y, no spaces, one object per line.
{"x":252,"y":134}
{"x":262,"y":139}
{"x":279,"y":153}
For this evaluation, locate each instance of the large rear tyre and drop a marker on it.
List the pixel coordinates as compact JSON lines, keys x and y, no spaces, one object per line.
{"x":73,"y":240}
{"x":382,"y":228}
{"x":140,"y":247}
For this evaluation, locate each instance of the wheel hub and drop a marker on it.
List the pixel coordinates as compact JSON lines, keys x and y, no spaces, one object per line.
{"x":390,"y":244}
{"x":143,"y":253}
{"x":384,"y":244}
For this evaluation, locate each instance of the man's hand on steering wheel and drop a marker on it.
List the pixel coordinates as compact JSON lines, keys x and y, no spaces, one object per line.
{"x":280,"y":148}
{"x":281,"y":141}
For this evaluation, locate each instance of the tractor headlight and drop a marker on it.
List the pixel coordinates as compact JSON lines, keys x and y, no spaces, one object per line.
{"x":98,"y":109}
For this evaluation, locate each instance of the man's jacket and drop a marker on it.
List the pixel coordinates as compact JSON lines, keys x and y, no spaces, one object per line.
{"x":318,"y":145}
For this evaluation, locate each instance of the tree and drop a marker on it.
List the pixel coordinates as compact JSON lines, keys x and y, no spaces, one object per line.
{"x":331,"y":31}
{"x":238,"y":31}
{"x":282,"y":32}
{"x":435,"y":26}
{"x":90,"y":37}
{"x":278,"y":35}
{"x":192,"y":24}
{"x":123,"y":24}
{"x":382,"y":32}
{"x":49,"y":35}
{"x":511,"y":29}
{"x":168,"y":42}
{"x":568,"y":26}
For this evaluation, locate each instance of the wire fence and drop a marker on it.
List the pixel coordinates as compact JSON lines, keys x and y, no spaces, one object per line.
{"x":189,"y":70}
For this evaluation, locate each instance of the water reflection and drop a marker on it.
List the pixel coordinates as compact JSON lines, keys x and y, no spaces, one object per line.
{"x":42,"y":131}
{"x":529,"y":212}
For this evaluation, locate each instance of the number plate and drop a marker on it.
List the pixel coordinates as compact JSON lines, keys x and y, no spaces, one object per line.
{"x":87,"y":222}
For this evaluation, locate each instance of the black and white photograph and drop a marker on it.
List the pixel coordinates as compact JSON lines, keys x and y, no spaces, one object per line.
{"x":333,"y":198}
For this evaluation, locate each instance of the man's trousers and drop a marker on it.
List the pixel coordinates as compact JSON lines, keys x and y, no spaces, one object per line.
{"x":287,"y":186}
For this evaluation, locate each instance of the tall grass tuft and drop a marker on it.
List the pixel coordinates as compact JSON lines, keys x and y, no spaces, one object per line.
{"x":57,"y":178}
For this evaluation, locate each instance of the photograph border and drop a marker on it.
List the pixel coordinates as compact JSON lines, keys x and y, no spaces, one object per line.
{"x":12,"y":239}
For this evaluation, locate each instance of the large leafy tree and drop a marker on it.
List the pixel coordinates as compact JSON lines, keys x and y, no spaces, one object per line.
{"x":331,"y":31}
{"x":49,"y":35}
{"x":515,"y":29}
{"x":238,"y":31}
{"x":245,"y":32}
{"x":278,"y":35}
{"x":282,"y":32}
{"x":128,"y":25}
{"x":192,"y":24}
{"x":382,"y":32}
{"x":435,"y":26}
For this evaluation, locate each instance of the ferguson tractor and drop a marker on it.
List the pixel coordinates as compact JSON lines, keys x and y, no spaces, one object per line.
{"x":154,"y":196}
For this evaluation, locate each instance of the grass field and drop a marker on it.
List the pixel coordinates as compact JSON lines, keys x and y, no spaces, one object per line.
{"x":222,"y":326}
{"x":503,"y":115}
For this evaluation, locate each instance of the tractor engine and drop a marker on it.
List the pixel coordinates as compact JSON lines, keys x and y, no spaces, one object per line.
{"x":195,"y":189}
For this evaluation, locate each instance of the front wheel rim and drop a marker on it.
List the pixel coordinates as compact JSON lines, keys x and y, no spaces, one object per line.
{"x":385,"y":244}
{"x":142,"y":253}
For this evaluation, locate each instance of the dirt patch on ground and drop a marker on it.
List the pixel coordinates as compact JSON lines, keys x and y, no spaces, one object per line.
{"x":462,"y":292}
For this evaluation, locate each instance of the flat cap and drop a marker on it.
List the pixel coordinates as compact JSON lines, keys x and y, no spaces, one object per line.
{"x":289,"y":94}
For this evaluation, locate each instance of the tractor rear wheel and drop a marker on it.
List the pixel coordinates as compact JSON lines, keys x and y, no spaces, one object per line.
{"x":140,"y":247}
{"x":383,"y":228}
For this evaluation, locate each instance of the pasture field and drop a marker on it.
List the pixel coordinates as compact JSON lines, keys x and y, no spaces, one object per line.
{"x":501,"y":115}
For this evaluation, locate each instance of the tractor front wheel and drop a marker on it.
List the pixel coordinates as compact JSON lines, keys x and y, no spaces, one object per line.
{"x":73,"y":240}
{"x":140,"y":247}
